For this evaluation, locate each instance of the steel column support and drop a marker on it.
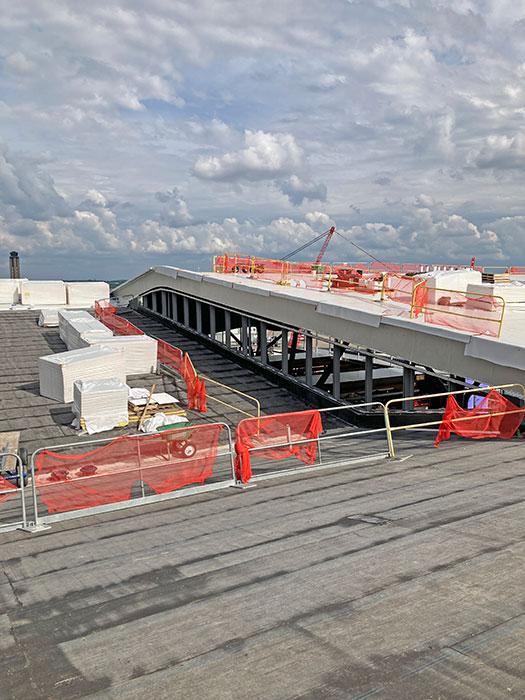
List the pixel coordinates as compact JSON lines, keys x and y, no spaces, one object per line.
{"x":174,"y":307}
{"x":198,"y":316}
{"x":263,"y":342}
{"x":369,"y":378}
{"x":227,"y":328}
{"x":284,"y":351}
{"x":408,"y":387}
{"x":186,"y":303}
{"x":164,"y":303}
{"x":213,"y":323}
{"x":244,"y":336}
{"x":308,"y":360}
{"x":336,"y":371}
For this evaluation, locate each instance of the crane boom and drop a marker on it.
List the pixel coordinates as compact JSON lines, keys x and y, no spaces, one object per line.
{"x":326,"y":242}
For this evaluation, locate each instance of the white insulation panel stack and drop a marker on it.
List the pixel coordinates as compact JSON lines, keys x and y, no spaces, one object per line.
{"x":140,"y":352}
{"x":78,"y":329}
{"x":59,"y":372}
{"x":10,"y":292}
{"x":102,"y":404}
{"x":511,"y":292}
{"x":85,"y":294}
{"x":42,"y":293}
{"x":48,"y":318}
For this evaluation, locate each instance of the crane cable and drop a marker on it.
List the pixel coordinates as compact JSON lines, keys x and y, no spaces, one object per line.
{"x":320,"y":236}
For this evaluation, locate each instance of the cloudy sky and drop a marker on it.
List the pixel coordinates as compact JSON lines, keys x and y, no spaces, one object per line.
{"x":140,"y":132}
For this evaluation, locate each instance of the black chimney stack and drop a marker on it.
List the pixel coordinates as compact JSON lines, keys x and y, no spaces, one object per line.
{"x":14,"y":265}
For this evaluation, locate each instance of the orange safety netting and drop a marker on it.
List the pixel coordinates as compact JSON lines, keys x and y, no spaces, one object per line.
{"x":164,"y":462}
{"x":104,"y":307}
{"x":167,"y":354}
{"x":7,"y":489}
{"x":270,"y":431}
{"x":493,"y":417}
{"x":477,"y":314}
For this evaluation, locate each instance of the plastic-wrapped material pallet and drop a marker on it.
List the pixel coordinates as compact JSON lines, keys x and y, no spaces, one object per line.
{"x":511,"y":292}
{"x":140,"y":352}
{"x":48,"y":318}
{"x":9,"y":292}
{"x":59,"y":372}
{"x":86,"y":293}
{"x":450,"y":281}
{"x":42,"y":293}
{"x":100,"y":404}
{"x":78,"y":329}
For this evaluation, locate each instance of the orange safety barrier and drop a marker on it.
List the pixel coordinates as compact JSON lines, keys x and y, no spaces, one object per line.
{"x":164,"y":462}
{"x":103,"y":306}
{"x":268,"y":432}
{"x":6,"y":485}
{"x":167,"y":354}
{"x":473,"y":313}
{"x":493,"y":417}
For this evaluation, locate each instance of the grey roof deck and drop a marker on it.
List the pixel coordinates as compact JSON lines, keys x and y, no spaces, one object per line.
{"x":389,"y":580}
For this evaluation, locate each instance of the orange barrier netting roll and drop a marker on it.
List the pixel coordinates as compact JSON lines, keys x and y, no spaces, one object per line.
{"x":493,"y":417}
{"x":269,"y":431}
{"x":164,"y":462}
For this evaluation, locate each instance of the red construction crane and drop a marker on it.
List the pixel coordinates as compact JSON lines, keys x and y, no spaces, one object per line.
{"x":326,"y":242}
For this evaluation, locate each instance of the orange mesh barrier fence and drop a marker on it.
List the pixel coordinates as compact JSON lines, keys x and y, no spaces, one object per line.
{"x":104,"y":307}
{"x":119,"y":325}
{"x":401,"y":288}
{"x":477,"y":314}
{"x":493,"y":417}
{"x":268,"y":432}
{"x":7,"y":489}
{"x":164,"y":462}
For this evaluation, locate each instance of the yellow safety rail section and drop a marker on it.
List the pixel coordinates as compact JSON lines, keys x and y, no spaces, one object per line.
{"x":477,"y":390}
{"x":246,"y":396}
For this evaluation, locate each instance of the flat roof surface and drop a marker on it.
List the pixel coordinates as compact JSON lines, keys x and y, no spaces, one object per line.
{"x":389,"y":580}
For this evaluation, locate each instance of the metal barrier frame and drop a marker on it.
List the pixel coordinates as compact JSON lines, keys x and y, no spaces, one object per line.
{"x":17,"y":524}
{"x":41,"y":522}
{"x":318,"y":440}
{"x":476,"y":390}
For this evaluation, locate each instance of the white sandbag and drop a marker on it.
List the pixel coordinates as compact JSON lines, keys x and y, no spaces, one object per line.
{"x":151,"y":425}
{"x":58,"y":372}
{"x":86,"y":293}
{"x":48,"y":318}
{"x":39,"y":293}
{"x":10,"y":292}
{"x":102,"y":404}
{"x":140,"y":351}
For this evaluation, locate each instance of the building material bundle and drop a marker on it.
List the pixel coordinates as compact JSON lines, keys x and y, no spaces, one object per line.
{"x":511,"y":292}
{"x":140,"y":352}
{"x":100,"y":404}
{"x":78,"y":329}
{"x":9,"y":292}
{"x":48,"y":318}
{"x":85,"y":294}
{"x":42,"y":293}
{"x":445,"y":282}
{"x":58,"y":372}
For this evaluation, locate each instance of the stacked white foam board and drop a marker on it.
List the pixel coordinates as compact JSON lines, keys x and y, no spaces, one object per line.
{"x":85,"y":294}
{"x":450,"y":281}
{"x":78,"y":329}
{"x":101,"y":404}
{"x":512,"y":293}
{"x":9,"y":292}
{"x":58,"y":372}
{"x":140,"y":351}
{"x":48,"y":318}
{"x":42,"y":293}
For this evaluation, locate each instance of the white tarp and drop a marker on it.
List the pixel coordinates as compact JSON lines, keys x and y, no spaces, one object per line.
{"x":48,"y":318}
{"x":101,"y":403}
{"x":58,"y":372}
{"x":43,"y":293}
{"x":151,"y":425}
{"x":86,"y":293}
{"x":140,"y":351}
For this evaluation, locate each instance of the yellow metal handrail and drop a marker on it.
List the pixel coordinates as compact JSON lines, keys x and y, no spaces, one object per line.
{"x":249,"y":397}
{"x":444,"y":309}
{"x":390,"y":429}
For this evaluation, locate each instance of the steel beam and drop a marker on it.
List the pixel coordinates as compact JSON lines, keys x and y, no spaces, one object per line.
{"x":213,"y":322}
{"x":369,"y":378}
{"x":263,"y":342}
{"x":284,"y":351}
{"x":227,"y":328}
{"x":198,"y":316}
{"x":186,"y":304}
{"x":408,"y":387}
{"x":336,"y":372}
{"x":309,"y":360}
